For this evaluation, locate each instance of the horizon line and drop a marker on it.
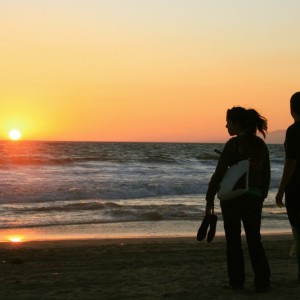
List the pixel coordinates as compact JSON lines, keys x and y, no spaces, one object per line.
{"x":150,"y":142}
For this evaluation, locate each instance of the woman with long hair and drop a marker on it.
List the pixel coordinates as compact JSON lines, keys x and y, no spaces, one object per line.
{"x":244,"y":124}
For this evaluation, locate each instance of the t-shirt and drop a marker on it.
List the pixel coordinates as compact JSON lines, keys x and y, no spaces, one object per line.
{"x":292,"y":150}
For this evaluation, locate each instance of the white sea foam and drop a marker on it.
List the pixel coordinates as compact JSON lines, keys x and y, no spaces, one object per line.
{"x":68,"y":184}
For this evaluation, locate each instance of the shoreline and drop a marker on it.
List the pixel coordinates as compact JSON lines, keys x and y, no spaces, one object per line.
{"x":61,"y":242}
{"x":123,"y":230}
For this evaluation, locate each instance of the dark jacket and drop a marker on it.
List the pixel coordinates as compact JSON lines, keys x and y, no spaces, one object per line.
{"x":239,"y":148}
{"x":292,"y":152}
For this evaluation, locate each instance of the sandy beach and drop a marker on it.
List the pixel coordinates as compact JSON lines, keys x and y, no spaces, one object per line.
{"x":161,"y":268}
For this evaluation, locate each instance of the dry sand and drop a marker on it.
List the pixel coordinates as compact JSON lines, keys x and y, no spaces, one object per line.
{"x":180,"y":268}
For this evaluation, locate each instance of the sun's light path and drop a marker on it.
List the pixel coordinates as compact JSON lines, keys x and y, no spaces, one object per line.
{"x":15,"y":134}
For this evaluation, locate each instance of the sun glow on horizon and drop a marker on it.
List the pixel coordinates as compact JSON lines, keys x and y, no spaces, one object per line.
{"x":15,"y":239}
{"x":15,"y":134}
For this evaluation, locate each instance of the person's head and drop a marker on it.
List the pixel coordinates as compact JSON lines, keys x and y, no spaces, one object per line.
{"x":295,"y":105}
{"x":248,"y":121}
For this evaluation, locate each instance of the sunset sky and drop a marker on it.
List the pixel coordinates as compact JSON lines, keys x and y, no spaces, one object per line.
{"x":144,"y":70}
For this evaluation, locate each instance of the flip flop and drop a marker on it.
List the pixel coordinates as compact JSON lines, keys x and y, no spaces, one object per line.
{"x":212,"y":228}
{"x":202,"y":231}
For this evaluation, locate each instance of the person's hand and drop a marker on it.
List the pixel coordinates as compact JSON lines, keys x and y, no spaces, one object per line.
{"x":209,"y":208}
{"x":279,"y":198}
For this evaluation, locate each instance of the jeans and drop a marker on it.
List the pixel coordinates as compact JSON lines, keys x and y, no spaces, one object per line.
{"x":296,"y":234}
{"x":246,"y":209}
{"x":292,"y":196}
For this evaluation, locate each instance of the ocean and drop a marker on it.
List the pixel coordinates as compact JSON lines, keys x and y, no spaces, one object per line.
{"x":53,"y":190}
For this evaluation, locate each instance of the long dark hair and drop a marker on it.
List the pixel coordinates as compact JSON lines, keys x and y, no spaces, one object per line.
{"x":249,"y":119}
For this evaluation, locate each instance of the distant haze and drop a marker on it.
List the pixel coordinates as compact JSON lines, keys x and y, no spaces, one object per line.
{"x":276,"y":137}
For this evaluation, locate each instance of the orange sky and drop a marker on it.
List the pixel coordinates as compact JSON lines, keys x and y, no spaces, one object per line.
{"x":141,"y":70}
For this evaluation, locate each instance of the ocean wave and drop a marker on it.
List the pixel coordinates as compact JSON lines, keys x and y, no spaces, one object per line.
{"x":207,"y":156}
{"x":79,"y":206}
{"x":172,"y":210}
{"x":92,"y":186}
{"x":42,"y":161}
{"x":70,"y":153}
{"x":56,"y":213}
{"x":95,"y":212}
{"x":71,"y":171}
{"x":27,"y":161}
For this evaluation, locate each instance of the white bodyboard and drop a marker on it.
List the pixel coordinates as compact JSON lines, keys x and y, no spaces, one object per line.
{"x":235,"y":181}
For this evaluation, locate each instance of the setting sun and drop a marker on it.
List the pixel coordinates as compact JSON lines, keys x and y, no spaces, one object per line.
{"x":15,"y":134}
{"x":15,"y":239}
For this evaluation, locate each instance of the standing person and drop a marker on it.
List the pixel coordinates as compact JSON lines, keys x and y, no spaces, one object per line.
{"x":244,"y":124}
{"x":290,"y":181}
